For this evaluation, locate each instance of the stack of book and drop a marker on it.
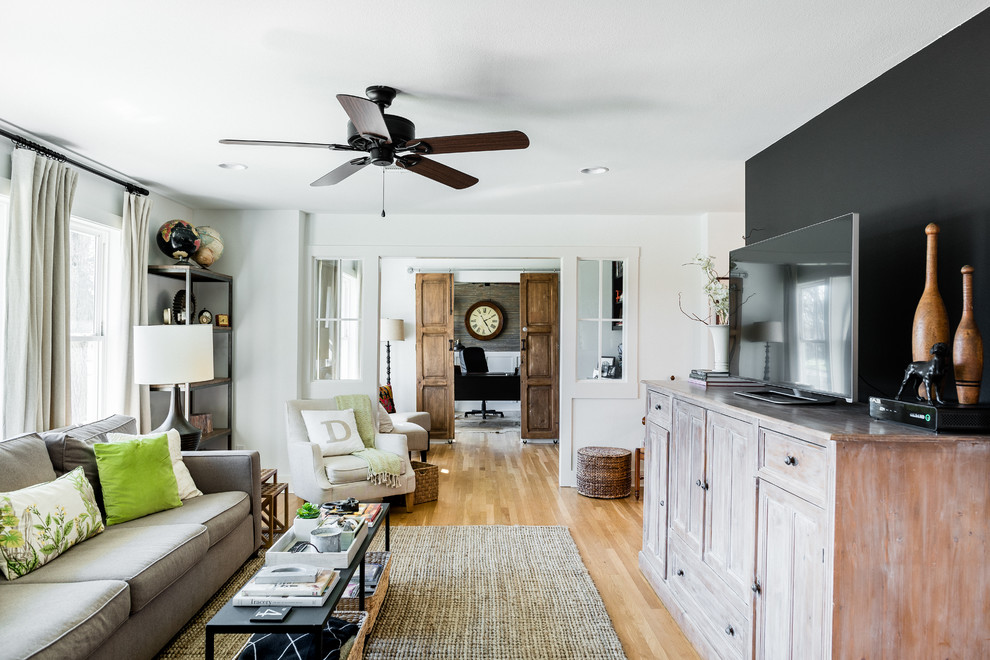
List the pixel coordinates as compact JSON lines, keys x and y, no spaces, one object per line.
{"x":372,"y":573}
{"x":298,"y":586}
{"x":371,"y":512}
{"x":709,"y":378}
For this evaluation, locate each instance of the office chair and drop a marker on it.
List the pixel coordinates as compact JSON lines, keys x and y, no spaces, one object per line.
{"x":475,"y":363}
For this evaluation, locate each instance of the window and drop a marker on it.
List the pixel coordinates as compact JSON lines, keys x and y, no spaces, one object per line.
{"x":4,"y":210}
{"x":89,"y":268}
{"x":338,"y":319}
{"x":601,"y":327}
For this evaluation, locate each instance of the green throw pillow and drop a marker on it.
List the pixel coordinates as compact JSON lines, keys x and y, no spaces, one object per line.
{"x":137,"y":478}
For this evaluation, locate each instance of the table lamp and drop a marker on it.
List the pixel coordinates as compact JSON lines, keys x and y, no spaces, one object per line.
{"x":171,"y":355}
{"x":391,"y":330}
{"x":768,"y":332}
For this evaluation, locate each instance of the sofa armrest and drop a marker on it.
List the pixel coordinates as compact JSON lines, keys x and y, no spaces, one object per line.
{"x":219,"y":471}
{"x":393,"y":443}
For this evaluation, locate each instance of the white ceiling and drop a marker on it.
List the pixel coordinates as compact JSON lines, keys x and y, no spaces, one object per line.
{"x":673,"y":97}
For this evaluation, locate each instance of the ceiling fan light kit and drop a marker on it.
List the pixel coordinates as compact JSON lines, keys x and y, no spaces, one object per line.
{"x":390,"y":140}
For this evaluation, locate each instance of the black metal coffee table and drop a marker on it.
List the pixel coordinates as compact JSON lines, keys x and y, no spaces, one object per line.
{"x":237,"y":619}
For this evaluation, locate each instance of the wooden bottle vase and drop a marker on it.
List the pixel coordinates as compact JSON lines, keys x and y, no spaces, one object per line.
{"x":931,"y":322}
{"x":967,"y":347}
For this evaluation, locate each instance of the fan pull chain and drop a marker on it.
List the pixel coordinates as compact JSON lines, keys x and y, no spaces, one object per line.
{"x":383,"y":192}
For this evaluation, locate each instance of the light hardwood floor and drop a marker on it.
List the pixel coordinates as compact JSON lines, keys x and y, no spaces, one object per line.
{"x":494,"y":479}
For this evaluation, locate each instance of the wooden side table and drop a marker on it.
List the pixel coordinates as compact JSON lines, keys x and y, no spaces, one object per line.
{"x":271,"y":524}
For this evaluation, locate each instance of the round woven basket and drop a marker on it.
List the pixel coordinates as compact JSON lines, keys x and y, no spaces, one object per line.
{"x":604,"y":472}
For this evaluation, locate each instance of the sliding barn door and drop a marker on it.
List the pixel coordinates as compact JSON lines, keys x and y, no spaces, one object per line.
{"x":434,"y":351}
{"x":539,"y":349}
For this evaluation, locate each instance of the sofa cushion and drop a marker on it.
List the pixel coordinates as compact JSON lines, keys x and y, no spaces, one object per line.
{"x":187,"y":487}
{"x":348,"y":469}
{"x":137,"y":478}
{"x":40,"y":522}
{"x":24,"y":462}
{"x":55,"y":621}
{"x":72,"y":447}
{"x":149,"y":559}
{"x":221,"y":513}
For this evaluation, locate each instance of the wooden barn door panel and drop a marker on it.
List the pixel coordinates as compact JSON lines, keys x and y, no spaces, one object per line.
{"x":434,"y":357}
{"x":539,"y":370}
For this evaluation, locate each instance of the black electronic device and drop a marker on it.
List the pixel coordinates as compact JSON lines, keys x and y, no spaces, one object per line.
{"x":948,"y":417}
{"x":794,"y":301}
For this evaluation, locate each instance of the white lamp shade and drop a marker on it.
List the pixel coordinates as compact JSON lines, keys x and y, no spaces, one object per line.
{"x":393,"y":330}
{"x":171,"y":354}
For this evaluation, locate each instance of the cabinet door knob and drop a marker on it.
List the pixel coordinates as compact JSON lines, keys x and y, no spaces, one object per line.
{"x":679,"y":573}
{"x":657,"y":407}
{"x":790,"y":460}
{"x":729,"y":630}
{"x":661,"y":502}
{"x":756,"y":588}
{"x":703,"y":486}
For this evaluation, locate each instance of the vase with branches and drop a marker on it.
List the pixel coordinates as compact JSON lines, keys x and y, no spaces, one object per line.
{"x":716,"y":291}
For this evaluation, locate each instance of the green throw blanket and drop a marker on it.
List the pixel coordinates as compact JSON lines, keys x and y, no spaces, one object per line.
{"x":383,"y":468}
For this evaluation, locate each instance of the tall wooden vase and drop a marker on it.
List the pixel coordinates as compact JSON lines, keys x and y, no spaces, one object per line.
{"x":967,"y":347}
{"x":931,"y":323}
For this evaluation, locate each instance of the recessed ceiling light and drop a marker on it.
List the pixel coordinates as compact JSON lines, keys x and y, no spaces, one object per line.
{"x":233,"y":166}
{"x":594,"y":170}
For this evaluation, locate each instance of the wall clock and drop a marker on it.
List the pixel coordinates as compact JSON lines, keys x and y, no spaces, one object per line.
{"x":484,"y":320}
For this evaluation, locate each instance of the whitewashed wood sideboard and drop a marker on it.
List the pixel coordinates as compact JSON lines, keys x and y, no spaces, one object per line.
{"x":810,"y":532}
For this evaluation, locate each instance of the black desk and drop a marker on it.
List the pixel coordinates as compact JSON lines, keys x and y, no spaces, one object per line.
{"x":234,"y":619}
{"x":485,"y":387}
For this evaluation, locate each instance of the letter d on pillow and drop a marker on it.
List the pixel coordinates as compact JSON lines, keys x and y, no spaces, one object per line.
{"x":335,"y":431}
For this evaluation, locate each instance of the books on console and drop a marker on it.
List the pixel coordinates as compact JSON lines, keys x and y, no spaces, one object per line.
{"x":311,"y":594}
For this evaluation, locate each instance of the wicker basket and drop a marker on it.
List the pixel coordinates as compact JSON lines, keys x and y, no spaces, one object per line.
{"x":372,"y":603}
{"x":360,"y":618}
{"x":604,"y":472}
{"x":427,"y":482}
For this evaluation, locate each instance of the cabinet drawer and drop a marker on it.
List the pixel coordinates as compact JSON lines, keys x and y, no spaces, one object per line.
{"x":720,"y":623}
{"x":798,"y":465}
{"x":658,"y":408}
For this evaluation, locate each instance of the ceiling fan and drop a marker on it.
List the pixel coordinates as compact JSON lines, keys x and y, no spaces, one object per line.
{"x":390,"y":139}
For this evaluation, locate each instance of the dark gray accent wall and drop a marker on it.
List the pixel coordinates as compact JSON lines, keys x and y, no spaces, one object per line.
{"x":507,"y":297}
{"x":909,"y":148}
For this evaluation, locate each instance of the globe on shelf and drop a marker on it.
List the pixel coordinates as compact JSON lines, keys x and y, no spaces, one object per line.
{"x":178,"y":239}
{"x":210,"y":247}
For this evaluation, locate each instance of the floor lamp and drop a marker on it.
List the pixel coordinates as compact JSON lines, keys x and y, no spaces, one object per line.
{"x":171,"y":355}
{"x":391,"y":330}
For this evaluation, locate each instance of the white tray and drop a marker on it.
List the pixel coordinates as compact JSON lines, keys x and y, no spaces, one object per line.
{"x":278,"y":554}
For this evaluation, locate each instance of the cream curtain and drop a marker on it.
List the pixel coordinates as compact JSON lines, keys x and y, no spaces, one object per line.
{"x":36,"y":316}
{"x":131,"y":307}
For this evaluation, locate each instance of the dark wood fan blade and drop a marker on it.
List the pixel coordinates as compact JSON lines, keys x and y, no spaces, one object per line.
{"x":366,"y":117}
{"x":339,"y":174}
{"x":431,"y":169}
{"x":280,"y":143}
{"x":451,"y":144}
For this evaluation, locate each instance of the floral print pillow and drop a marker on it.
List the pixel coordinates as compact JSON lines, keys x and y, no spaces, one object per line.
{"x":40,"y":522}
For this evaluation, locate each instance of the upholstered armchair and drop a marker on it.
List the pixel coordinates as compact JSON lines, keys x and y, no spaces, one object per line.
{"x":317,"y":478}
{"x":416,"y":427}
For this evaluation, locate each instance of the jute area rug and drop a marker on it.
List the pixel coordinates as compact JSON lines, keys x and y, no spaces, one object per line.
{"x":490,"y":592}
{"x":477,"y":592}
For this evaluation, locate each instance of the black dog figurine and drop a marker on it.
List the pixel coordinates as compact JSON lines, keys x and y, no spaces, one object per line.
{"x":929,"y":373}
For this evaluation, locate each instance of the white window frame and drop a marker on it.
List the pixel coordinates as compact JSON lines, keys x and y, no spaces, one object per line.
{"x":600,"y":319}
{"x":99,"y":337}
{"x":347,"y":285}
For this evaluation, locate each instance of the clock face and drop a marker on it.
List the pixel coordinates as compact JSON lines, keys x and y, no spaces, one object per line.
{"x":484,"y":320}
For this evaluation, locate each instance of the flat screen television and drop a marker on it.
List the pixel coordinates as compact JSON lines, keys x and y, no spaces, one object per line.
{"x":796,"y":308}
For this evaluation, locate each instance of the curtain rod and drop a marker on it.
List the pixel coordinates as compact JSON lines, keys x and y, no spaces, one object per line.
{"x":21,"y":141}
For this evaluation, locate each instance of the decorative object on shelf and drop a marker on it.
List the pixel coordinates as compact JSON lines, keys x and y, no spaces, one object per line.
{"x":223,"y":321}
{"x":210,"y":246}
{"x":206,"y":317}
{"x":178,"y":239}
{"x":607,"y":364}
{"x":170,"y":355}
{"x":720,"y":342}
{"x":967,"y":347}
{"x":391,"y":330}
{"x":927,"y":374}
{"x":167,"y":316}
{"x":202,"y":421}
{"x":484,"y":320}
{"x":719,"y":299}
{"x":931,"y":322}
{"x":179,"y":307}
{"x":307,"y":519}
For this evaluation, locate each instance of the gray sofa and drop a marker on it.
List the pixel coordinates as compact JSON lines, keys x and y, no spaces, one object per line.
{"x":125,"y":592}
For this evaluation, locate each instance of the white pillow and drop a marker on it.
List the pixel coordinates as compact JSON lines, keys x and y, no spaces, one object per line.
{"x":40,"y":522}
{"x":335,"y":431}
{"x":187,"y":487}
{"x":384,"y":421}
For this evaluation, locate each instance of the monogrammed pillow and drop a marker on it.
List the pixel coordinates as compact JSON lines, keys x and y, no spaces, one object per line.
{"x":335,"y":431}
